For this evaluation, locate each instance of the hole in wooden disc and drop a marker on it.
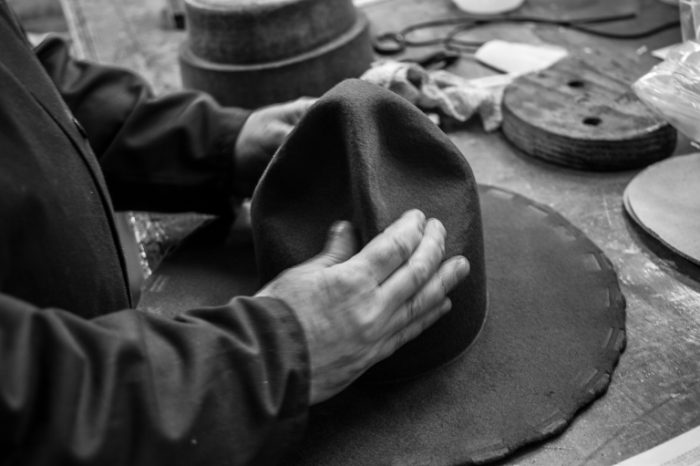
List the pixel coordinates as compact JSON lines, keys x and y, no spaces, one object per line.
{"x":592,"y":121}
{"x":576,"y":83}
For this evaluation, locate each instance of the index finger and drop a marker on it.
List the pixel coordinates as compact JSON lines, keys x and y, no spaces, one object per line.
{"x":391,"y":248}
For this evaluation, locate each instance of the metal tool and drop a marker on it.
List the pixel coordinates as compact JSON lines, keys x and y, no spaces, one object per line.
{"x":394,"y":42}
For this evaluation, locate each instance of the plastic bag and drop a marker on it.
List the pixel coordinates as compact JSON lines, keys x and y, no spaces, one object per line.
{"x":672,"y":89}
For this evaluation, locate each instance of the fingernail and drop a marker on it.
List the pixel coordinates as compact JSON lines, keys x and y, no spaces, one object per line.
{"x":414,"y":212}
{"x":339,"y":227}
{"x":437,"y":225}
{"x":463,"y":266}
{"x":447,"y":305}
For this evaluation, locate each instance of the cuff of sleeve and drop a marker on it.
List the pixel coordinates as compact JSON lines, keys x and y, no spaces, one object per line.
{"x":297,"y":351}
{"x":293,"y":413}
{"x":232,"y":122}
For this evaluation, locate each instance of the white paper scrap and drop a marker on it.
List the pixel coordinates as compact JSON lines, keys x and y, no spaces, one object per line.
{"x":663,"y":52}
{"x":488,"y":7}
{"x":519,"y":58}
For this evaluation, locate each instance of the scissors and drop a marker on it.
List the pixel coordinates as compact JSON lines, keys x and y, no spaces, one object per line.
{"x":391,"y":43}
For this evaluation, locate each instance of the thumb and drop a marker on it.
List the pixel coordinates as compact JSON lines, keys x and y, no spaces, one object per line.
{"x":295,"y":110}
{"x":340,"y":246}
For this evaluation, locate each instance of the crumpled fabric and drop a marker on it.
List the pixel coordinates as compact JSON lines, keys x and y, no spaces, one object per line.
{"x":438,"y":90}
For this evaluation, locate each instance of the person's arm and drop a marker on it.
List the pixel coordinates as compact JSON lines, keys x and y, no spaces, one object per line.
{"x":177,"y":152}
{"x":226,"y":385}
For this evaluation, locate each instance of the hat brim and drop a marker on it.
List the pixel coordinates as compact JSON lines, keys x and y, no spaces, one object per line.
{"x":553,"y":334}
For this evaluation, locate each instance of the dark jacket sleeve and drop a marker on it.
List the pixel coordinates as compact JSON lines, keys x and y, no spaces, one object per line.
{"x":172,"y":153}
{"x":217,"y":386}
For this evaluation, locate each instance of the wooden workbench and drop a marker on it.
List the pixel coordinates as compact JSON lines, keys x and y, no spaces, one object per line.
{"x":655,"y":392}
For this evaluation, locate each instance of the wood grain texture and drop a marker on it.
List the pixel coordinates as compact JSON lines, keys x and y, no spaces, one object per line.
{"x":655,"y":392}
{"x":578,"y":114}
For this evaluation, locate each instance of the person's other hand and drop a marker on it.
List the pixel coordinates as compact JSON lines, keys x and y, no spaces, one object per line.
{"x":261,"y":135}
{"x":358,"y":309}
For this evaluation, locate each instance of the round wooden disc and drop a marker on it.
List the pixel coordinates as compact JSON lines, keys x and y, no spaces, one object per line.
{"x":577,"y":115}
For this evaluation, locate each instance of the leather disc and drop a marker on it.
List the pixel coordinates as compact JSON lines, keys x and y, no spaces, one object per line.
{"x":664,"y":200}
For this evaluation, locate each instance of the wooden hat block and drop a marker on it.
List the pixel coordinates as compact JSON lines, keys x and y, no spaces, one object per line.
{"x":249,"y":53}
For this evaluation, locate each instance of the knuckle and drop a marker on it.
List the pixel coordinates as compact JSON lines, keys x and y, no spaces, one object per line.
{"x":414,"y":308}
{"x":445,"y":284}
{"x":395,"y":342}
{"x":368,"y":328}
{"x":401,"y":246}
{"x":367,"y":335}
{"x":341,"y":287}
{"x":279,"y":131}
{"x":420,"y":272}
{"x":365,"y":278}
{"x":353,"y":278}
{"x":437,"y":250}
{"x":405,"y":336}
{"x":439,"y":237}
{"x":370,"y":268}
{"x":337,"y":280}
{"x":401,"y":339}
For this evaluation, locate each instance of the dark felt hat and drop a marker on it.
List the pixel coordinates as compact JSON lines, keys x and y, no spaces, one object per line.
{"x":534,"y":333}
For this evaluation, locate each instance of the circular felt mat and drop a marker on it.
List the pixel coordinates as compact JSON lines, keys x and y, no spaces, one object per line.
{"x":664,"y":200}
{"x":553,"y":334}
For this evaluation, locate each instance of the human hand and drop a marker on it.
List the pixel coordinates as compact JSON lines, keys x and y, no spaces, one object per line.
{"x":261,"y":135}
{"x":358,"y":309}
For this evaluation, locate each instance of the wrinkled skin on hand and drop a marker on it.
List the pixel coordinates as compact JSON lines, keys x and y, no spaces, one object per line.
{"x":357,"y":308}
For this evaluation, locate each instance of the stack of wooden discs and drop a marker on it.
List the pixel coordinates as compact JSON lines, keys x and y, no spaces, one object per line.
{"x":250,"y":53}
{"x":581,"y":116}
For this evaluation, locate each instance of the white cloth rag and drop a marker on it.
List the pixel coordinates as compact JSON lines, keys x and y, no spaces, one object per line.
{"x":439,"y":90}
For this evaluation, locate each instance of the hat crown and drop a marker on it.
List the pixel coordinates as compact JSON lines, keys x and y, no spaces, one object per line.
{"x":346,"y":161}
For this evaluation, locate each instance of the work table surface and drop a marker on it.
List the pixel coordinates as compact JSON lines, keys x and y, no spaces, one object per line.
{"x":655,"y":391}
